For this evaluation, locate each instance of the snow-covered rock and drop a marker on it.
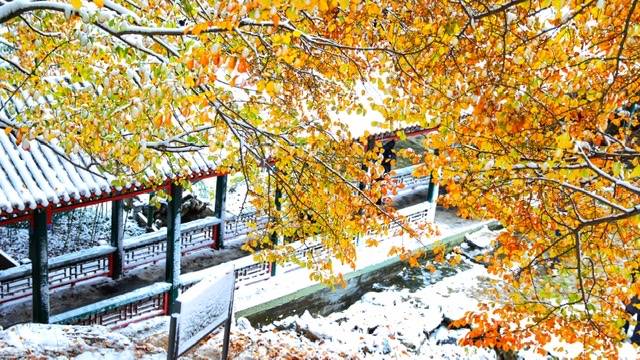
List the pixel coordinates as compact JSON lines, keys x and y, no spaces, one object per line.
{"x":396,"y":323}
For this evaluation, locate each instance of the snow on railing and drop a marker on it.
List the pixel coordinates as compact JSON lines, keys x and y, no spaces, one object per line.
{"x":246,"y":269}
{"x":151,"y":247}
{"x":120,"y":310}
{"x":68,"y":269}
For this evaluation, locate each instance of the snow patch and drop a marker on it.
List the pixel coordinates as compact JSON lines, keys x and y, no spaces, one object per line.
{"x":481,"y":238}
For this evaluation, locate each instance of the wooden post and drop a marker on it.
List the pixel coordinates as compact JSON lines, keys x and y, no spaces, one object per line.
{"x":219,"y":209}
{"x":432,"y":190}
{"x":172,"y":268}
{"x":117,"y":235}
{"x":172,"y":350}
{"x":227,"y":325}
{"x":274,"y":235}
{"x":38,"y":247}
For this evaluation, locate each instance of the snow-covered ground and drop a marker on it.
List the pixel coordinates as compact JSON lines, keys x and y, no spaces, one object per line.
{"x":397,"y":322}
{"x":391,"y":323}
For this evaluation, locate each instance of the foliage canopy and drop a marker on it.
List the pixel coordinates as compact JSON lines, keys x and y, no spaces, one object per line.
{"x":534,"y":101}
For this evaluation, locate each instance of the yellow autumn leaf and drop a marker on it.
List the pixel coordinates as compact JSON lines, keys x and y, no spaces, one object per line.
{"x":323,"y":5}
{"x":372,"y":242}
{"x":270,"y":88}
{"x":413,"y":261}
{"x":557,"y":4}
{"x":77,"y":4}
{"x":99,"y":3}
{"x":564,"y":141}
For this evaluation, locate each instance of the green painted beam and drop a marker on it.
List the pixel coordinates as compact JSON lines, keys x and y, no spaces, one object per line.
{"x":172,"y":265}
{"x":117,"y":236}
{"x":219,"y":208}
{"x":274,"y":236}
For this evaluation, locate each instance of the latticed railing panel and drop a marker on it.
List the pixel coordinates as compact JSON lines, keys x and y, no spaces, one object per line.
{"x":410,"y":181}
{"x":15,"y":288}
{"x":198,"y":239}
{"x":240,"y":225}
{"x":141,"y":255}
{"x":316,"y":251}
{"x":253,"y":273}
{"x":125,"y":314}
{"x":19,"y":285}
{"x":151,"y":251}
{"x":75,"y":272}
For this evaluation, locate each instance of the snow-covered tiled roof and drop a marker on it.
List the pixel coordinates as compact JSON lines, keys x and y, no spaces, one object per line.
{"x":41,"y":176}
{"x":409,"y":131}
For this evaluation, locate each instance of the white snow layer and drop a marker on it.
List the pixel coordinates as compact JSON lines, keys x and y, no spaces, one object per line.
{"x":40,"y":175}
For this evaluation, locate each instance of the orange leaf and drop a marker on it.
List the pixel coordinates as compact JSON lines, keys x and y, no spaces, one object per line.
{"x":231,"y":64}
{"x":243,"y":65}
{"x":157,"y":121}
{"x":190,"y":64}
{"x":204,"y":59}
{"x":216,"y":59}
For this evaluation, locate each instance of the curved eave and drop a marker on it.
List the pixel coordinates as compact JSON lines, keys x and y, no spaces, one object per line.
{"x":7,"y":218}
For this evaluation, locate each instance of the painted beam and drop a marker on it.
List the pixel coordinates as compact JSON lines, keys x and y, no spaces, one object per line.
{"x":38,"y":248}
{"x":219,"y":209}
{"x":116,"y":262}
{"x":172,"y":267}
